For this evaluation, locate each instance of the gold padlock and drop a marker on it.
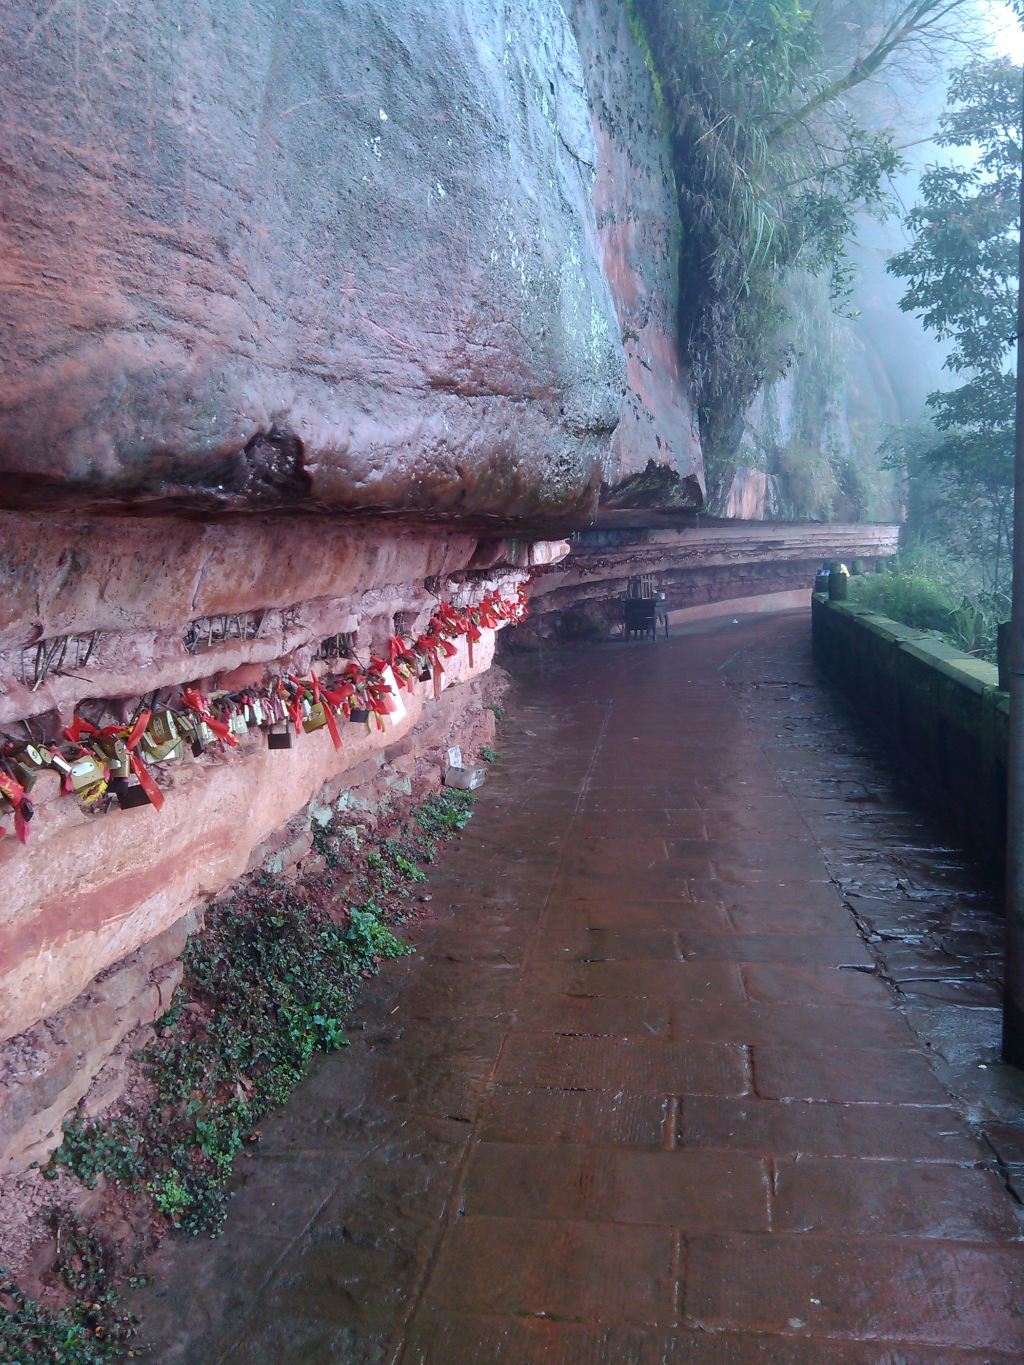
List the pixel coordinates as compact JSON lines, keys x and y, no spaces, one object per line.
{"x":162,"y":727}
{"x":88,"y":779}
{"x":114,"y":753}
{"x":315,"y":718}
{"x":162,"y":740}
{"x":27,"y":763}
{"x":24,"y":773}
{"x":162,"y":753}
{"x":85,"y":771}
{"x":188,"y":728}
{"x":195,"y":733}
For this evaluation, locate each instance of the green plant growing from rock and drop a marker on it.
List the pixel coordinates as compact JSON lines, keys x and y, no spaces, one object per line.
{"x":267,"y":983}
{"x":439,"y":817}
{"x":772,"y":163}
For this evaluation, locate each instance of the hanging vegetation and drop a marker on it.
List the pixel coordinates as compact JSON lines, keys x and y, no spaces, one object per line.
{"x":772,"y":164}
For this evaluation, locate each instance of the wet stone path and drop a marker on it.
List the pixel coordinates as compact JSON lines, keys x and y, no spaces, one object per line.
{"x":652,"y":1090}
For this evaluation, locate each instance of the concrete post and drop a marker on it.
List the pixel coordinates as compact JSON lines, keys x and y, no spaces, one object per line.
{"x":838,"y":586}
{"x":1013,"y":981}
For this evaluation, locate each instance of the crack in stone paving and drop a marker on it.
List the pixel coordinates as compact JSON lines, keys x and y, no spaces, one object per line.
{"x":673,"y":1074}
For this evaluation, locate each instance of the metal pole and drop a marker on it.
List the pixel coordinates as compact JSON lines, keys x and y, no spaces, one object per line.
{"x":1013,"y":985}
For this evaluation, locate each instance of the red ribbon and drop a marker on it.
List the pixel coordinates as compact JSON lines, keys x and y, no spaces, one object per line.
{"x":18,"y":797}
{"x":321,"y":696}
{"x":437,"y":635}
{"x":357,"y":687}
{"x":428,"y":646}
{"x":294,"y":707}
{"x":396,"y":649}
{"x":473,"y":637}
{"x":379,"y":692}
{"x":193,"y":700}
{"x":146,"y":781}
{"x":80,"y":726}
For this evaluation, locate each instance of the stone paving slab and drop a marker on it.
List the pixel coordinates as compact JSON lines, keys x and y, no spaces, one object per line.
{"x":646,"y":1094}
{"x":597,"y":1118}
{"x":560,"y":1269}
{"x":876,"y":1132}
{"x":866,"y":1288}
{"x":692,"y":1191}
{"x":503,"y":1341}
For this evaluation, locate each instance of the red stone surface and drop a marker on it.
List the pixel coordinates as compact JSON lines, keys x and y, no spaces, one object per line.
{"x":304,"y":257}
{"x":530,"y":1156}
{"x":638,"y":226}
{"x":697,"y":561}
{"x":938,"y":1293}
{"x":87,"y":891}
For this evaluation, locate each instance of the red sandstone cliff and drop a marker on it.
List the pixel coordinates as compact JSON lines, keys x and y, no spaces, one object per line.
{"x":320,"y":256}
{"x":296,"y":263}
{"x":638,"y":224}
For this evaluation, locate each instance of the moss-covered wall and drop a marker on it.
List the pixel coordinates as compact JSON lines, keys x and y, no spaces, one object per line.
{"x":943,"y":707}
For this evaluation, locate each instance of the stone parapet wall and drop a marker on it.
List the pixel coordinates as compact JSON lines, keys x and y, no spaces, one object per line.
{"x":942,"y":706}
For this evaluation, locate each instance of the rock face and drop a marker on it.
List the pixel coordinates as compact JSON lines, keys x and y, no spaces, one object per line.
{"x":90,"y":888}
{"x":695,"y":562}
{"x":141,"y":583}
{"x":638,"y":223}
{"x":328,"y":257}
{"x":298,"y":283}
{"x":78,"y":1055}
{"x":748,"y":494}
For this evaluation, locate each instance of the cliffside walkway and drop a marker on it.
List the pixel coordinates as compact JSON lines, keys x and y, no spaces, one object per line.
{"x":645,"y":1094}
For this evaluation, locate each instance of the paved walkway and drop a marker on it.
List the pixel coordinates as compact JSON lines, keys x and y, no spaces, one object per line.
{"x":644,"y":1095}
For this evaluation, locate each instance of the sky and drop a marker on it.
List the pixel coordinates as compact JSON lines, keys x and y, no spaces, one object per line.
{"x":1007,"y":34}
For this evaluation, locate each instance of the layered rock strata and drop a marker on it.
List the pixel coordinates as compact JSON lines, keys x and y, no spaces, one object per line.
{"x":102,"y":615}
{"x":694,"y":564}
{"x":222,"y":608}
{"x":80,"y":1056}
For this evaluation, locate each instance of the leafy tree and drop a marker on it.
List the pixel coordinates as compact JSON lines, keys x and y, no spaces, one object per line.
{"x":961,"y":272}
{"x":771,"y":166}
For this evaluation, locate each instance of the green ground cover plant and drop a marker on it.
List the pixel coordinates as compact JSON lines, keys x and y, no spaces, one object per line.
{"x":267,"y":984}
{"x":92,"y":1329}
